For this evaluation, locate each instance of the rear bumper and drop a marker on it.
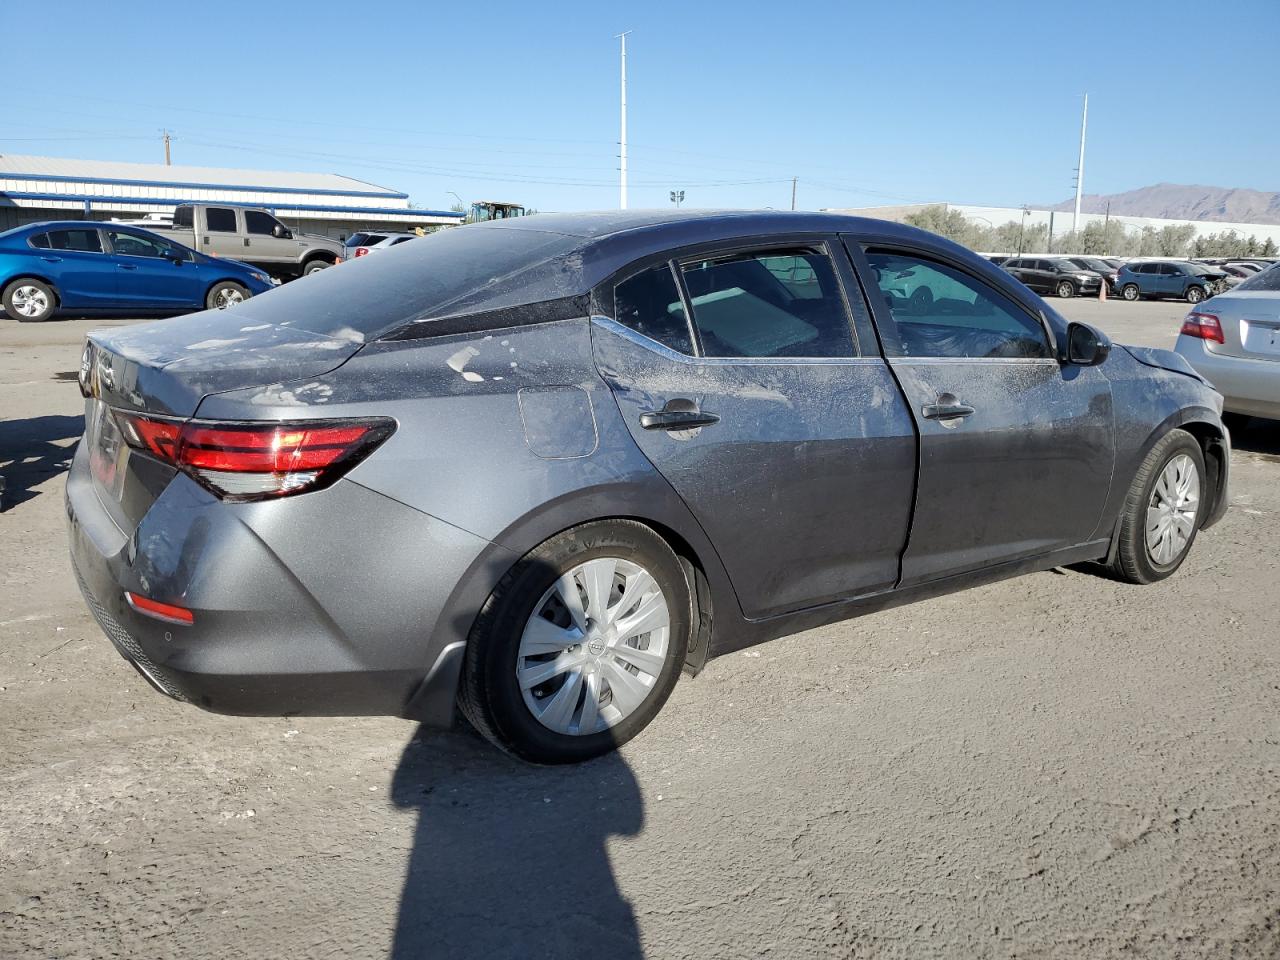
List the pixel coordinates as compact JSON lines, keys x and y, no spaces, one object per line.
{"x":1248,"y":386}
{"x":299,"y":608}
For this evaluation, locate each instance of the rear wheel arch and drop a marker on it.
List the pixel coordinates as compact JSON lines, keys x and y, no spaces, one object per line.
{"x":33,"y":276}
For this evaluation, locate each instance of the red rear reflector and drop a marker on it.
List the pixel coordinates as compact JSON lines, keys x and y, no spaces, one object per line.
{"x":256,"y":460}
{"x":161,"y":611}
{"x":361,"y":251}
{"x":1203,"y":326}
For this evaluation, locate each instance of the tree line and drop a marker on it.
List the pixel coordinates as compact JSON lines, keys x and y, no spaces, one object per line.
{"x":1098,"y":238}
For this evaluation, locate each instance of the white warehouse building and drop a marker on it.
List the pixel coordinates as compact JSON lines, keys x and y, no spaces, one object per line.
{"x":52,"y":188}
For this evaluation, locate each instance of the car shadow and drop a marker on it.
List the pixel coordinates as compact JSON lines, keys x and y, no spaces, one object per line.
{"x":30,"y":454}
{"x":510,"y":859}
{"x":1255,"y":435}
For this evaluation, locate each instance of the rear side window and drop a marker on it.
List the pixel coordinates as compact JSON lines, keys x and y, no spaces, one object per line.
{"x":940,"y":312}
{"x":40,"y":241}
{"x":400,"y":240}
{"x":770,"y":304}
{"x":371,"y":238}
{"x":85,"y":241}
{"x":649,"y":303}
{"x":256,"y":222}
{"x":220,"y":219}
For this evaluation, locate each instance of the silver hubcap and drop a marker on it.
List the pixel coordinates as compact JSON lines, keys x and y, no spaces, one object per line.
{"x":1171,"y":514}
{"x":227,"y":297}
{"x":1131,"y":293}
{"x":30,"y":301}
{"x":594,"y":647}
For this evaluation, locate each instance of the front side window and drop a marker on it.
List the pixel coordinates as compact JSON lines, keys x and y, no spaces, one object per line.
{"x":135,"y":245}
{"x":770,"y":304}
{"x":220,"y":219}
{"x":84,"y":241}
{"x":940,"y":312}
{"x":258,"y":223}
{"x":649,"y":303}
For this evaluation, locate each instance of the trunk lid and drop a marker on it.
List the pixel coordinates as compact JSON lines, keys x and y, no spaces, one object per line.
{"x":166,"y":369}
{"x":1250,"y":321}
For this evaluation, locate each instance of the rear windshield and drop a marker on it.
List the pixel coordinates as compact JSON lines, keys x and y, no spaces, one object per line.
{"x":1268,"y":279}
{"x":356,"y":239}
{"x":450,"y":272}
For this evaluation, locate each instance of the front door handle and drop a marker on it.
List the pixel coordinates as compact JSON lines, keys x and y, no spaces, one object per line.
{"x":947,"y":408}
{"x":677,"y":419}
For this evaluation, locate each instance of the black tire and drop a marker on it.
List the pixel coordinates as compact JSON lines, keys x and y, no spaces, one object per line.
{"x":1133,"y":562}
{"x":1131,"y":292}
{"x":1066,"y":289}
{"x":315,"y":266}
{"x":1195,"y":294}
{"x":225,"y":293}
{"x":20,"y":288}
{"x":489,"y":694}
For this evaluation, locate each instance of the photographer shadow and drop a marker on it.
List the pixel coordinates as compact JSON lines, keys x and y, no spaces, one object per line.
{"x":511,"y":860}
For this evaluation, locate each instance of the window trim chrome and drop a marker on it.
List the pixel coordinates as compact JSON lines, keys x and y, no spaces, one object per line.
{"x":662,"y":350}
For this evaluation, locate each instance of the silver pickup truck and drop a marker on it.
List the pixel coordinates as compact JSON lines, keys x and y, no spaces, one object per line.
{"x":251,"y":235}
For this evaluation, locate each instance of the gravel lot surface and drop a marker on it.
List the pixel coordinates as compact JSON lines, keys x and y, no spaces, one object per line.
{"x":1057,"y":765}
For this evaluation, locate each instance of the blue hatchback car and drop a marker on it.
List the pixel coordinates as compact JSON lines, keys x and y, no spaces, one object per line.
{"x":94,"y":267}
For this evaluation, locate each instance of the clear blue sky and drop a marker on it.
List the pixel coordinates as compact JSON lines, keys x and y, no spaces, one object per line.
{"x":867,"y":103}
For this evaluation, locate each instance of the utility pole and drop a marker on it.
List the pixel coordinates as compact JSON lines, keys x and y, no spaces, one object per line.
{"x":622,"y":170}
{"x":167,"y":161}
{"x":1084,"y":123}
{"x":1106,"y":221}
{"x":793,"y":192}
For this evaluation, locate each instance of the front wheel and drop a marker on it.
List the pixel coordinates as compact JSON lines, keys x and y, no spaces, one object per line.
{"x":580,"y":644}
{"x":1195,"y":294}
{"x":1130,"y":291}
{"x":225,"y":294}
{"x":1162,"y":511}
{"x":1066,"y":289}
{"x":29,"y":301}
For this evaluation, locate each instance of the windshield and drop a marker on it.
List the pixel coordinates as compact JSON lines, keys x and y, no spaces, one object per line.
{"x":1268,"y":280}
{"x":454,"y":271}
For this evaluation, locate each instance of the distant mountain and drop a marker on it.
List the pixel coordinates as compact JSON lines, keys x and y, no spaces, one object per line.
{"x":1175,"y":201}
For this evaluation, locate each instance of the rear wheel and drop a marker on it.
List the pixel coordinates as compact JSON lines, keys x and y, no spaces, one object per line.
{"x":1195,"y":294}
{"x":580,"y":644}
{"x":225,"y":294}
{"x":1130,"y":291}
{"x":1162,"y":511}
{"x":29,"y":301}
{"x":1066,"y":289}
{"x":315,"y":266}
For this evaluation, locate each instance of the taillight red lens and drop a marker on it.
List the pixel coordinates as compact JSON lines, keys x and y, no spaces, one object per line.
{"x":161,"y":611}
{"x":1204,"y":326}
{"x":253,"y":461}
{"x":361,"y":251}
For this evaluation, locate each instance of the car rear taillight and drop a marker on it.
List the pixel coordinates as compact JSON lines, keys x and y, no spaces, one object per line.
{"x":362,"y":251}
{"x":1203,"y":326}
{"x":257,"y":460}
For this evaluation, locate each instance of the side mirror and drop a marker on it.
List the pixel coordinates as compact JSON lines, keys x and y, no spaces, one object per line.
{"x":281,"y":232}
{"x":1086,"y":345}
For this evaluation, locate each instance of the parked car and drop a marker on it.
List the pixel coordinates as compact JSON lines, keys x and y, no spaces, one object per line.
{"x":1182,"y":279}
{"x":363,"y":244}
{"x":1099,"y":266}
{"x":1059,"y":275}
{"x":543,"y":466}
{"x":253,"y":235}
{"x":94,"y":267}
{"x":1234,"y":341}
{"x":1234,"y":274}
{"x":1247,"y":266}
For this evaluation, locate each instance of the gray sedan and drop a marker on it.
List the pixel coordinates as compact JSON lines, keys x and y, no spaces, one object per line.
{"x":541,"y":467}
{"x":1234,"y":341}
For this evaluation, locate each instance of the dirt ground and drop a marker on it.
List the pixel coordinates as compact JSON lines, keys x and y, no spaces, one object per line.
{"x":1053,"y":766}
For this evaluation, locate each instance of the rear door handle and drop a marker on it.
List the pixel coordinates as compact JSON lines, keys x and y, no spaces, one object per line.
{"x":128,"y":266}
{"x":51,"y":259}
{"x":947,"y":408}
{"x":677,"y":419}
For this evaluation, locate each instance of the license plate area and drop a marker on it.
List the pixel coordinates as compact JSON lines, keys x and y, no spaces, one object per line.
{"x":1261,"y":337}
